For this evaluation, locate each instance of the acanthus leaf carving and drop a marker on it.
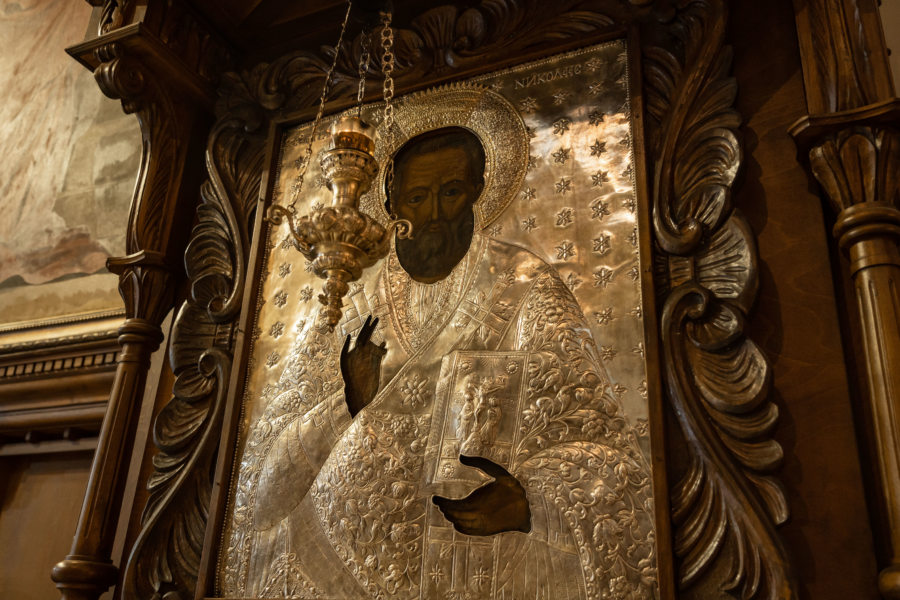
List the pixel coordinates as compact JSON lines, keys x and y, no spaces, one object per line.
{"x":727,"y":497}
{"x":695,"y":148}
{"x":166,"y":555}
{"x":726,"y":507}
{"x":857,"y":165}
{"x":440,"y":40}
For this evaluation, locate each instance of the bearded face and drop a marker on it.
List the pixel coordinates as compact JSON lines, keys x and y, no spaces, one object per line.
{"x":435,"y":191}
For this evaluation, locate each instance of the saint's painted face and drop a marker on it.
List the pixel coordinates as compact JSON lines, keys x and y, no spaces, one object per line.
{"x":438,"y":176}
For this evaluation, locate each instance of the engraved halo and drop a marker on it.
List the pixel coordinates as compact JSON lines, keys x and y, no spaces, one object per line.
{"x":485,"y":113}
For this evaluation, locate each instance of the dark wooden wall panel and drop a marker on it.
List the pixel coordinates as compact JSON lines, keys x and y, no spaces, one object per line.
{"x":39,"y":501}
{"x":796,"y":319}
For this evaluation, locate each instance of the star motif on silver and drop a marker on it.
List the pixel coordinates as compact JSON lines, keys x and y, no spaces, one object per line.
{"x":280,"y":299}
{"x":495,"y":230}
{"x":288,"y":242}
{"x":296,"y":140}
{"x":276,"y":329}
{"x":637,"y":312}
{"x":595,"y":88}
{"x":565,"y":217}
{"x":272,"y":359}
{"x":630,"y":204}
{"x":528,"y":194}
{"x":602,"y":277}
{"x":284,"y":270}
{"x":596,"y":117}
{"x":561,"y":155}
{"x":599,"y":178}
{"x":528,"y":105}
{"x":563,"y":186}
{"x":604,"y":316}
{"x":306,"y":294}
{"x":561,"y":125}
{"x":316,"y":206}
{"x":572,"y":281}
{"x":593,"y":64}
{"x":600,"y":209}
{"x":532,"y":163}
{"x":633,"y":237}
{"x":598,"y":148}
{"x":602,"y":244}
{"x":608,"y":353}
{"x":529,"y":224}
{"x":634,"y":273}
{"x":565,"y":250}
{"x":639,"y":349}
{"x":560,"y":97}
{"x":531,"y":132}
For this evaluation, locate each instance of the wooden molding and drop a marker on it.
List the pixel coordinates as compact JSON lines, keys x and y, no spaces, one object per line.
{"x":55,"y":388}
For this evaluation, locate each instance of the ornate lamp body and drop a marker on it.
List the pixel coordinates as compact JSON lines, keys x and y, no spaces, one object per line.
{"x":339,"y":240}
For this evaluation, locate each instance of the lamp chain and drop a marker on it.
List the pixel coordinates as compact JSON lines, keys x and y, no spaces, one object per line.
{"x":326,"y":89}
{"x":387,"y":68}
{"x":363,"y":68}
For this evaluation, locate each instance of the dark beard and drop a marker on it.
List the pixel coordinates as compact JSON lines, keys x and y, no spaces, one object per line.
{"x":433,"y":254}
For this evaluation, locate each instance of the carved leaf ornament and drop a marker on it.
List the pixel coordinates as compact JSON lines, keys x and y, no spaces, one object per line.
{"x":726,"y":507}
{"x":166,"y":555}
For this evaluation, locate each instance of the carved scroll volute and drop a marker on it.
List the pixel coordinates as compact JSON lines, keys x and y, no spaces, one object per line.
{"x":726,"y":507}
{"x":859,"y":171}
{"x":145,"y":283}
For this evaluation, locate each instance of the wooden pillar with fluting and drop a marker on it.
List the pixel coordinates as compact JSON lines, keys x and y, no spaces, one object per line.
{"x":851,"y":140}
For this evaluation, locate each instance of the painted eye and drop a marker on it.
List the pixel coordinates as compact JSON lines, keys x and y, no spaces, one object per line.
{"x":416,"y":199}
{"x":453,"y":190}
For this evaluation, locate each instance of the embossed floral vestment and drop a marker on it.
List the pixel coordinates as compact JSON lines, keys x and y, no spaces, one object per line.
{"x":497,"y":362}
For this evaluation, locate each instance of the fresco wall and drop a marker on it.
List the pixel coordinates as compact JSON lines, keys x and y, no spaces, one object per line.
{"x":68,"y":172}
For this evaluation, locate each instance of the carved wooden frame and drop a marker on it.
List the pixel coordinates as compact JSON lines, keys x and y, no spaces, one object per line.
{"x":725,"y":503}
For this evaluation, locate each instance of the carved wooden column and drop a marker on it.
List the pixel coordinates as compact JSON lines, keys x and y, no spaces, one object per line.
{"x":851,"y":140}
{"x":144,"y":283}
{"x":144,"y":71}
